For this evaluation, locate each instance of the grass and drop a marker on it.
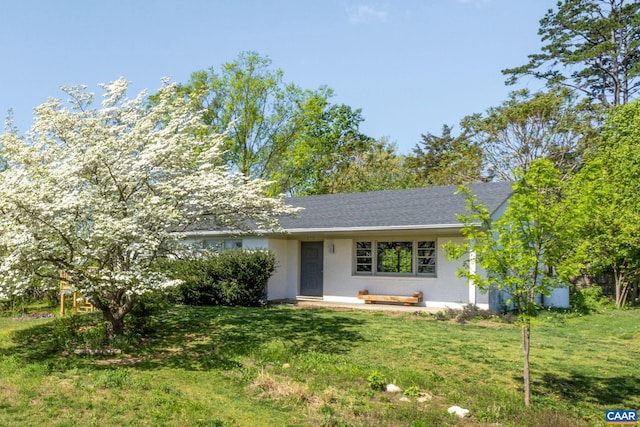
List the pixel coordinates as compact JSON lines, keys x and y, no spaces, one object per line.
{"x":282,"y":366}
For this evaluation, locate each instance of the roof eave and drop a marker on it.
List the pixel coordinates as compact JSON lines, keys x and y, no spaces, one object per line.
{"x":294,"y":231}
{"x":372,"y":228}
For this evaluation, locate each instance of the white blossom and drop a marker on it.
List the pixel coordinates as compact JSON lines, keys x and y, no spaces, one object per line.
{"x":101,"y":192}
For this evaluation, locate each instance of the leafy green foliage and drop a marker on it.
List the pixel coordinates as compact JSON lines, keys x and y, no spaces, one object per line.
{"x":519,"y":250}
{"x":254,"y":106}
{"x":588,"y":300}
{"x":395,"y":257}
{"x":412,"y":391}
{"x":276,"y":130}
{"x":225,"y":278}
{"x":446,"y":160}
{"x":140,"y":321}
{"x":378,"y":167}
{"x":377,"y":381}
{"x":606,"y":190}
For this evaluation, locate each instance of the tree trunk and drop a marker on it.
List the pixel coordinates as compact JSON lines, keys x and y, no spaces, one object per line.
{"x":526,"y":338}
{"x":114,"y":307}
{"x":621,"y":289}
{"x":116,"y":322}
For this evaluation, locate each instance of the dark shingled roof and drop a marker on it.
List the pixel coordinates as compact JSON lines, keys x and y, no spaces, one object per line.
{"x":422,"y":207}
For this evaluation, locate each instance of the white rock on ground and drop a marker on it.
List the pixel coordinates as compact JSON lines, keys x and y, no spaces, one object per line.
{"x":392,"y":388}
{"x":461,"y":412}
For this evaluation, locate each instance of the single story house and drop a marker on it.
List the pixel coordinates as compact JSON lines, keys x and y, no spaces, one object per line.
{"x":384,"y":242}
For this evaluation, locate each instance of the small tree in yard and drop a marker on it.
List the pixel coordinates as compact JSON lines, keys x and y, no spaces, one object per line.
{"x":101,"y":193}
{"x":518,"y":249}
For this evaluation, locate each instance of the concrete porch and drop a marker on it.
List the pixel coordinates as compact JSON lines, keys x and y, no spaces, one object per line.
{"x":319,"y":303}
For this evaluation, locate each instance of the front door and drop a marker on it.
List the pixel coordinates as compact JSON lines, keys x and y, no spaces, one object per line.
{"x":311,"y":265}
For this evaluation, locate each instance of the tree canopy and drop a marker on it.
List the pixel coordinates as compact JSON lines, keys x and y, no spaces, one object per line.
{"x":592,"y":47}
{"x":275,"y":130}
{"x":377,"y":168}
{"x":446,"y":159}
{"x":518,"y":251}
{"x":100,"y":193}
{"x":606,"y":191}
{"x":527,"y":127}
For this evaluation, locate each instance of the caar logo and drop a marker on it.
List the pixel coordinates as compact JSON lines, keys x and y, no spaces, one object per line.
{"x":621,"y":417}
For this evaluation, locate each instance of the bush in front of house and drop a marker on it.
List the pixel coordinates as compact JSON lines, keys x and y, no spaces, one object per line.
{"x":591,"y":299}
{"x":233,"y":277}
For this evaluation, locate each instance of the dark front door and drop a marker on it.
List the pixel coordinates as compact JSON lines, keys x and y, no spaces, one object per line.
{"x":311,"y":269}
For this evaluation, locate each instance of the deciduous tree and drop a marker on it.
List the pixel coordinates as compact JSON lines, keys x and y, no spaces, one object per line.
{"x":249,"y":102}
{"x":328,"y":147}
{"x":518,"y":249}
{"x":606,"y":189}
{"x":377,"y":168}
{"x":276,"y":130}
{"x":527,"y":127}
{"x":100,"y":193}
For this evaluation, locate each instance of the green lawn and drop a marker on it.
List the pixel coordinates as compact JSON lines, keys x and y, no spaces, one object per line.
{"x":219,"y":366}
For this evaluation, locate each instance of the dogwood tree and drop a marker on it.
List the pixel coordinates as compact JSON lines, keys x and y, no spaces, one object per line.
{"x":101,"y":192}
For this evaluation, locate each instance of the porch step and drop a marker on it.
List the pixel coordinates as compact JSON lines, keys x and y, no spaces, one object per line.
{"x":308,"y":298}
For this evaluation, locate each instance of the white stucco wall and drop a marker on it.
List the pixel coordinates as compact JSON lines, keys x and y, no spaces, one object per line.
{"x":444,"y":290}
{"x":341,"y":285}
{"x":284,"y":283}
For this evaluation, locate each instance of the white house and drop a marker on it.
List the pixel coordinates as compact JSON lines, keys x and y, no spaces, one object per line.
{"x":385,"y":242}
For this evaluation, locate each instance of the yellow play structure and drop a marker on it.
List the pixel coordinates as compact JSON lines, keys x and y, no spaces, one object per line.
{"x":80,"y":303}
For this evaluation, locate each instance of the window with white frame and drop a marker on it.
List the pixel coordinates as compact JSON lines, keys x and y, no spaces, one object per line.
{"x":222,"y":244}
{"x":401,"y":257}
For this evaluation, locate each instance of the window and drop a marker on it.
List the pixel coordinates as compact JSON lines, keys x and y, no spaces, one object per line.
{"x":221,"y":244}
{"x":396,"y":257}
{"x":427,"y":257}
{"x":364,"y":257}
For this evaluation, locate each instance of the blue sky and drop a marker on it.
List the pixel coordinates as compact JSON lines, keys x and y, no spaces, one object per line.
{"x":410,"y":65}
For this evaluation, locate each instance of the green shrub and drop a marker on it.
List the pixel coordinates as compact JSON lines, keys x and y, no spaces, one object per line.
{"x":413,"y":391}
{"x":588,"y":300}
{"x":472,"y":312}
{"x":71,"y":332}
{"x":377,"y":381}
{"x":233,"y":278}
{"x":148,"y":304}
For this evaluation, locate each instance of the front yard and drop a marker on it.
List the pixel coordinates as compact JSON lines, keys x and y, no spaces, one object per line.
{"x":286,"y":366}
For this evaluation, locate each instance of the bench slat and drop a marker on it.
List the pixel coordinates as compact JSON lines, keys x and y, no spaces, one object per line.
{"x":406,"y":300}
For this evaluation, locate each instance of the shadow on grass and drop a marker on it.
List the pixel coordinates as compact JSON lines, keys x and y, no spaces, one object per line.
{"x":205,"y":337}
{"x":198,"y":338}
{"x":46,"y":341}
{"x":577,"y":388}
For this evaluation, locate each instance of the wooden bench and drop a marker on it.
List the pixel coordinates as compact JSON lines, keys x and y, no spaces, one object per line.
{"x":406,"y":300}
